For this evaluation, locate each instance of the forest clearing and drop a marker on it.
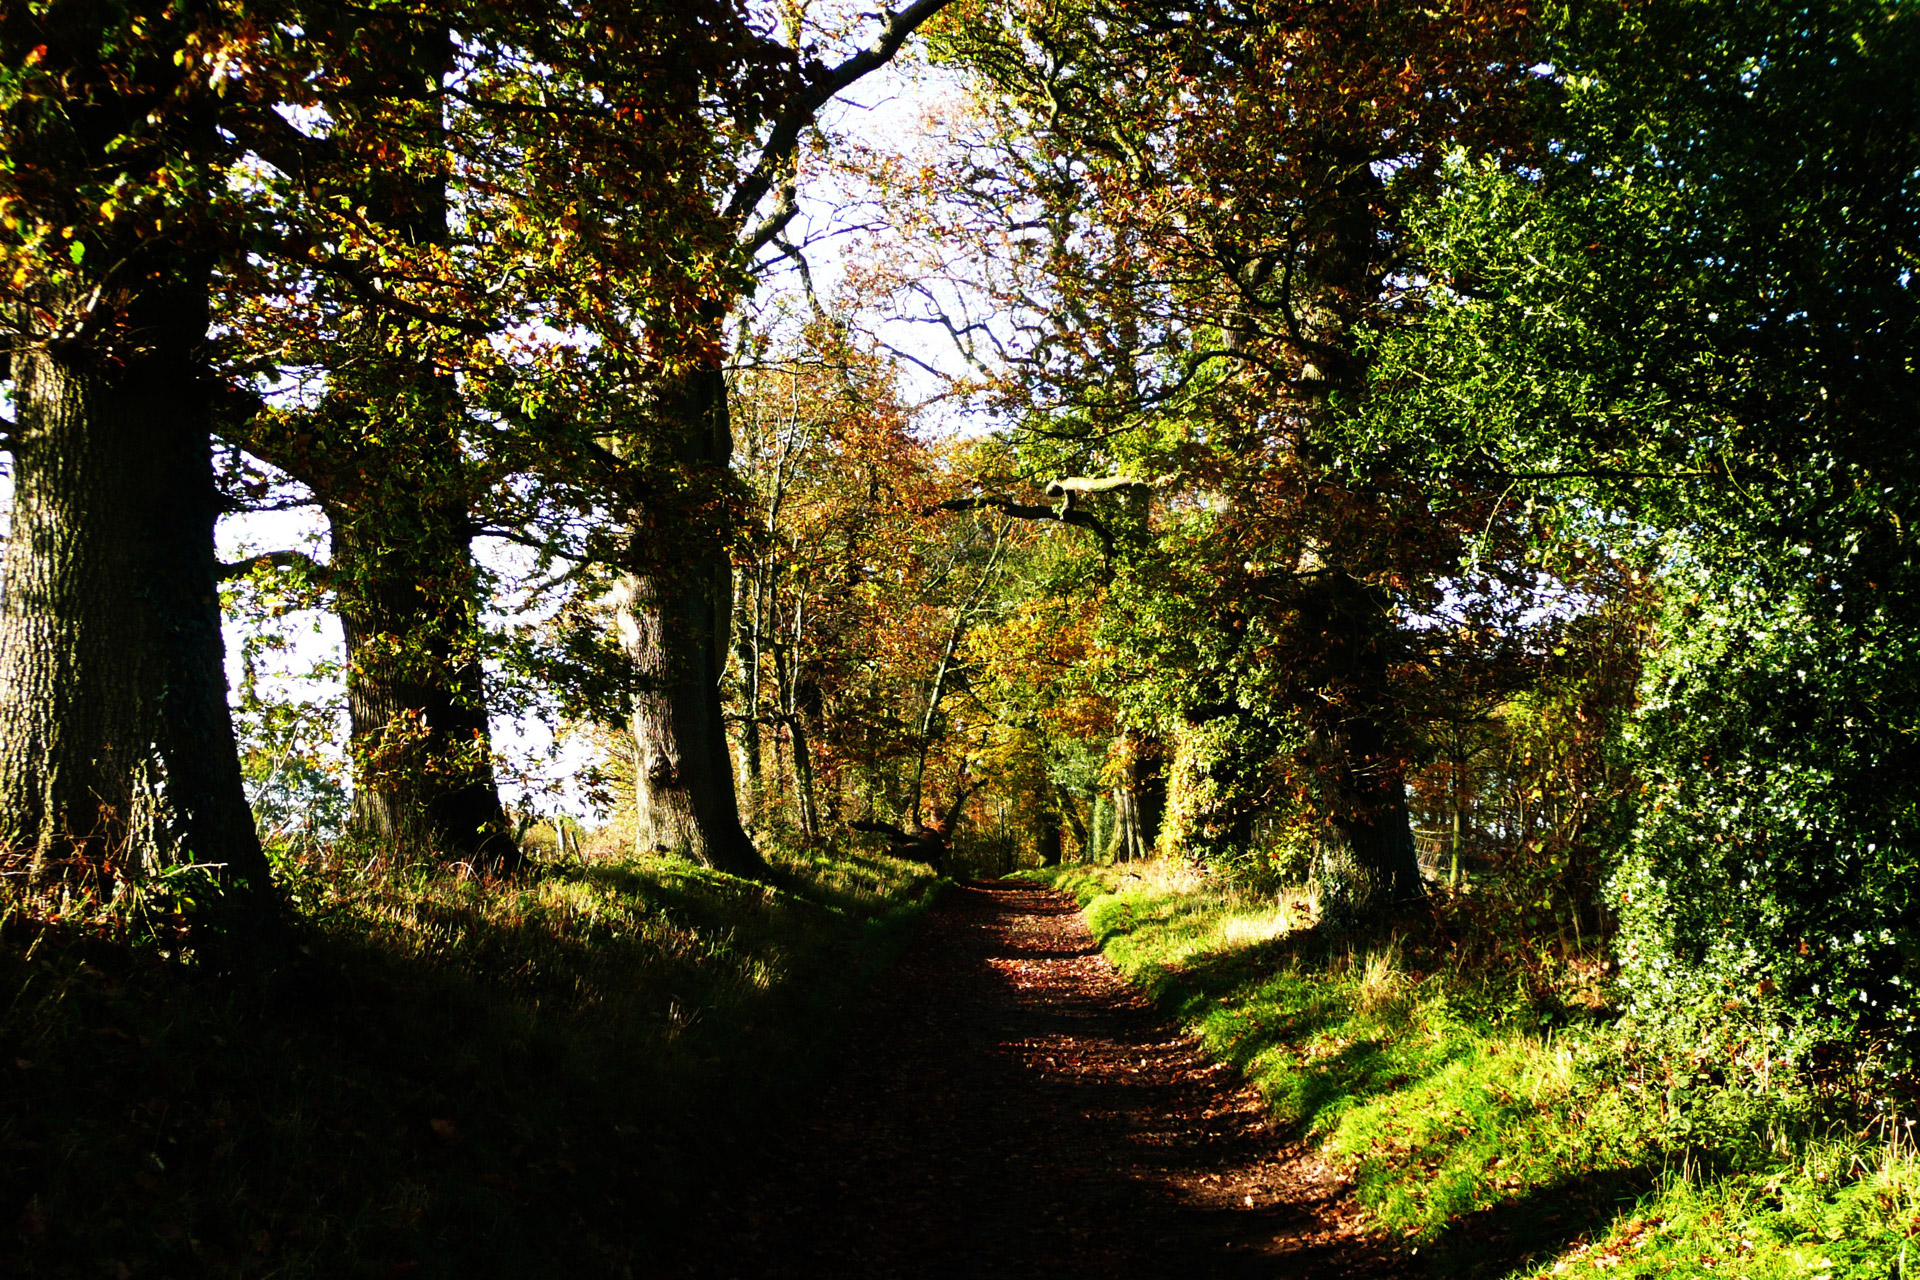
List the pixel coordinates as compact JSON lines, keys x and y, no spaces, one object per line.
{"x":716,"y":638}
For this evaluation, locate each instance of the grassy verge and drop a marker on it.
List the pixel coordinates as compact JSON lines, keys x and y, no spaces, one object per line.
{"x":457,"y":1080}
{"x":1498,"y":1133}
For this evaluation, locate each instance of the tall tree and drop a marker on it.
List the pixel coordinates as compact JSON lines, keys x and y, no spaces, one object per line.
{"x":116,"y":743}
{"x":384,"y":450}
{"x":677,"y":588}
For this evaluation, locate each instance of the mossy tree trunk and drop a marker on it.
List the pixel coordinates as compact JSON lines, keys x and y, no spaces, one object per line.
{"x":408,"y":599}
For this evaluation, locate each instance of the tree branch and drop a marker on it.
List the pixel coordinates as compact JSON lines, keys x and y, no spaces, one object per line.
{"x":279,"y":560}
{"x":1082,"y":484}
{"x":785,"y":137}
{"x":1065,"y":513}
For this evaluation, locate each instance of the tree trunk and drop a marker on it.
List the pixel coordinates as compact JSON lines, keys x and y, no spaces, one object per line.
{"x":674,"y":609}
{"x":1379,"y":832}
{"x":1049,"y":838}
{"x":1366,"y":789}
{"x":1070,"y":813}
{"x":383,"y":453}
{"x":1147,"y":783}
{"x":1126,"y":836}
{"x":116,"y":742}
{"x":747,"y":654}
{"x":803,"y":779}
{"x":422,"y":752}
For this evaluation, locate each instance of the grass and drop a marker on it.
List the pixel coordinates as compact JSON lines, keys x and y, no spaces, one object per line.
{"x":1493,"y":1119}
{"x":454,"y":1080}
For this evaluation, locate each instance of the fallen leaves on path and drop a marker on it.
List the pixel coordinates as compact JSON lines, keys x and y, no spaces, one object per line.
{"x":1013,"y":1107}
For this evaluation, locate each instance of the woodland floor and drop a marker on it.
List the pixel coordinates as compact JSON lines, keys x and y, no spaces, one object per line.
{"x":1009,"y":1105}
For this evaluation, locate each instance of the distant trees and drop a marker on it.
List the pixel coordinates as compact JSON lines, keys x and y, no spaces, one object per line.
{"x":1196,"y":217}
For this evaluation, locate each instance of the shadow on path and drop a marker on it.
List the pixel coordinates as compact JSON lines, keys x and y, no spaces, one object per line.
{"x":1012,"y":1107}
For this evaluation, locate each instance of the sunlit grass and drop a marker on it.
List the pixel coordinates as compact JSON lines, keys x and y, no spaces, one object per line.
{"x":1494,"y":1138}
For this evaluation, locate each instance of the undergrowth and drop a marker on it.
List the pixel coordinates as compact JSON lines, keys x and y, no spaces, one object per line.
{"x":1493,"y":1117}
{"x":449,"y":1079}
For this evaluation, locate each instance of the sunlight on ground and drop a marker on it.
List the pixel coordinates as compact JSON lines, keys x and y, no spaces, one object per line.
{"x":1501,"y":1137}
{"x":1251,"y":928}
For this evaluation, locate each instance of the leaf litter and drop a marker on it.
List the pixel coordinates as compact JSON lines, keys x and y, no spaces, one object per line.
{"x":1011,"y":1105}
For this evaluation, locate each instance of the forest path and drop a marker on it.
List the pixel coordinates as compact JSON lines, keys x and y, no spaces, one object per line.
{"x":1011,"y":1106}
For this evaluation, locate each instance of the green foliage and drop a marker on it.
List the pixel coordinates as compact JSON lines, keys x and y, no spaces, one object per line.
{"x":1772,"y":871}
{"x":1692,"y":324}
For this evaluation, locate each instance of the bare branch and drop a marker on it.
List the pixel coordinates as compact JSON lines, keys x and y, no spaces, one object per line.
{"x":543,"y":545}
{"x":774,"y":223}
{"x":781,"y":143}
{"x":1062,"y":514}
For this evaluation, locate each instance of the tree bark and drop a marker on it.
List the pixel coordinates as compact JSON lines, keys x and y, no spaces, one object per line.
{"x":1049,"y":837}
{"x":674,"y":613}
{"x":1366,"y":791}
{"x":1070,"y":813}
{"x":1147,"y":779}
{"x":117,"y":751}
{"x":747,"y":654}
{"x":805,"y":707}
{"x":423,"y":762}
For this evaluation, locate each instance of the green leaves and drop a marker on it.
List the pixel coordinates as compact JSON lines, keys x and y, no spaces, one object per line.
{"x":1683,"y":329}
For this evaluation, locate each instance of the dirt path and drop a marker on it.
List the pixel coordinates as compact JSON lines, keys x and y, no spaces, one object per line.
{"x":1014,"y":1108}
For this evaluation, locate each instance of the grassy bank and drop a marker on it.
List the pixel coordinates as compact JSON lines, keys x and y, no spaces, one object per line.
{"x":452,"y":1080}
{"x":1494,"y":1119}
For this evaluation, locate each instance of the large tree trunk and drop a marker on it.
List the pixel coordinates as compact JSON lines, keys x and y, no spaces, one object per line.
{"x":1048,"y":841}
{"x":407,"y":596}
{"x":117,"y":750}
{"x":1367,"y":791}
{"x":675,"y":616}
{"x":1378,"y":829}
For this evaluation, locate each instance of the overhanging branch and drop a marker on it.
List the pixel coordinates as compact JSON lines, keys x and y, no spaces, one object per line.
{"x":321,"y":573}
{"x":785,"y":138}
{"x":1066,"y":485}
{"x":1065,"y":513}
